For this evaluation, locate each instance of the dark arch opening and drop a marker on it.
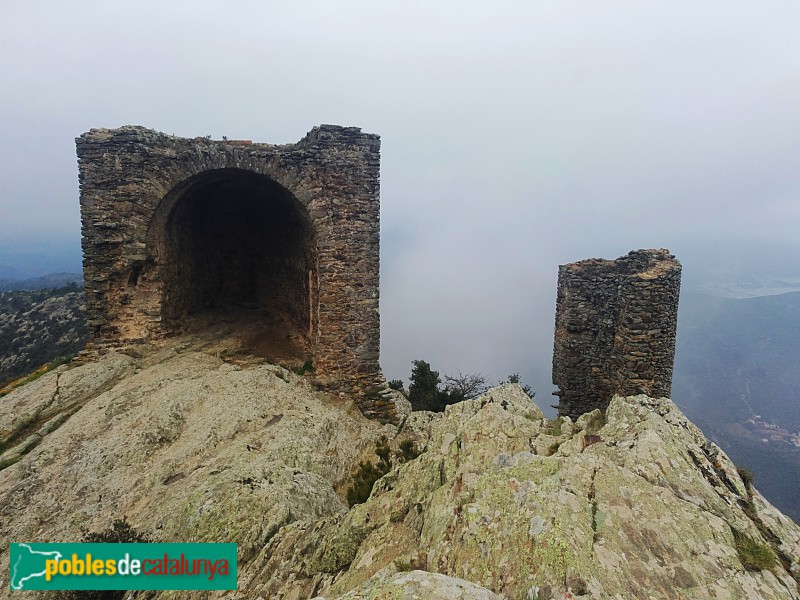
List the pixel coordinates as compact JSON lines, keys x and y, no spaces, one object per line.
{"x":238,"y":247}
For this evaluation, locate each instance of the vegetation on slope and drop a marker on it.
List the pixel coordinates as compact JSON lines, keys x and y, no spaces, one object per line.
{"x":39,"y":326}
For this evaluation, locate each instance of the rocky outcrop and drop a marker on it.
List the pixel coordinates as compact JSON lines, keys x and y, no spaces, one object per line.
{"x":416,"y":585}
{"x":185,"y":445}
{"x":636,"y":505}
{"x":502,"y":502}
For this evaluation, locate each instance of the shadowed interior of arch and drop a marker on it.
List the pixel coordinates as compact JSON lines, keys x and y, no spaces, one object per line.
{"x":238,"y":250}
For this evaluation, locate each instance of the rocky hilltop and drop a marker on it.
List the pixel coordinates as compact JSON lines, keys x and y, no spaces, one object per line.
{"x":37,"y":326}
{"x":192,"y":443}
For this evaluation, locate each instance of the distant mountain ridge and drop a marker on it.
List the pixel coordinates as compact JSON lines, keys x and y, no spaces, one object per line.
{"x":43,"y":282}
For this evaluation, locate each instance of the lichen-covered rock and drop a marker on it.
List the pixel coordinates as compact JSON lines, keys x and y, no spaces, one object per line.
{"x":418,"y":585}
{"x":186,"y":446}
{"x":43,"y":405}
{"x":501,"y":503}
{"x":634,"y":505}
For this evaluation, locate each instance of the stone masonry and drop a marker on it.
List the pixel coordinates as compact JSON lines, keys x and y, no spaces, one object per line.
{"x":615,"y":329}
{"x":175,"y":227}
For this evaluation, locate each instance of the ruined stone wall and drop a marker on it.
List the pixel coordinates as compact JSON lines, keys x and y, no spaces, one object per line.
{"x":148,"y":261}
{"x":615,"y":329}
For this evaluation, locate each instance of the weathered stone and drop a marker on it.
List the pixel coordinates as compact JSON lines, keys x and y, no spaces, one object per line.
{"x":186,"y":446}
{"x":179,"y":233}
{"x":418,"y":585}
{"x":647,"y":510}
{"x":633,"y":503}
{"x":615,"y":329}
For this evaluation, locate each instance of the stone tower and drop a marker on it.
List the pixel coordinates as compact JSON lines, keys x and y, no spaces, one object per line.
{"x":615,"y":329}
{"x":286,"y":236}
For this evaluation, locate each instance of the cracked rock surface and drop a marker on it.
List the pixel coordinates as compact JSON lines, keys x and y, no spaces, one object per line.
{"x":634,"y":505}
{"x":502,"y":503}
{"x":186,"y":446}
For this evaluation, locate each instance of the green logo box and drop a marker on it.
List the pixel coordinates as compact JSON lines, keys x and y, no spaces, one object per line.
{"x":82,"y":566}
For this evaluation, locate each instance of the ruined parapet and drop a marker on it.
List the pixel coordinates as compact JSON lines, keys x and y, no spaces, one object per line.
{"x":615,"y":329}
{"x":286,"y":236}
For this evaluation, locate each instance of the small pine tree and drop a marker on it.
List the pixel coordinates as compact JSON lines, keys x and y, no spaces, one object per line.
{"x":514,"y":378}
{"x":423,"y":391}
{"x":396,"y":384}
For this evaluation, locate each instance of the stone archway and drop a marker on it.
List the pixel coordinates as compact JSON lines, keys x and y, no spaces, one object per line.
{"x":235,"y":245}
{"x":289,"y":235}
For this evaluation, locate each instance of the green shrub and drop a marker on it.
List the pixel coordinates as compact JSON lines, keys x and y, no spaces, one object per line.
{"x":384,"y":453}
{"x":403,"y":565}
{"x":308,"y":367}
{"x":407,"y":451}
{"x":553,"y":427}
{"x":368,"y":473}
{"x":553,"y":448}
{"x":746,"y":475}
{"x":754,"y":555}
{"x":514,"y":378}
{"x":363,"y":481}
{"x":396,"y":384}
{"x":120,"y":532}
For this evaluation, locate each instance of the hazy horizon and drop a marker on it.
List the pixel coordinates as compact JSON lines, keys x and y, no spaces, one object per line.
{"x":515,"y":137}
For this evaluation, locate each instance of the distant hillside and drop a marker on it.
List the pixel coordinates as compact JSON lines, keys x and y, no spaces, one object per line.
{"x":37,"y":326}
{"x":44,"y":282}
{"x":737,"y":376}
{"x":737,"y":358}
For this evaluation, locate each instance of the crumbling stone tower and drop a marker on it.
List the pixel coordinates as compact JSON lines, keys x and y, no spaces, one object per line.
{"x":286,"y":235}
{"x":615,"y":329}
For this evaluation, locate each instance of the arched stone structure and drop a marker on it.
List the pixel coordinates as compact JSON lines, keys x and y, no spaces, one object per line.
{"x":232,"y":239}
{"x":176,"y":227}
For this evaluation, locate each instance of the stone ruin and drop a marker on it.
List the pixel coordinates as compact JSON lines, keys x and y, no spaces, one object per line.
{"x":615,"y":329}
{"x":281,"y":239}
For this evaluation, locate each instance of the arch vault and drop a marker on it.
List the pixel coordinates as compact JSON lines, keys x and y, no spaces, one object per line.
{"x":178,"y":232}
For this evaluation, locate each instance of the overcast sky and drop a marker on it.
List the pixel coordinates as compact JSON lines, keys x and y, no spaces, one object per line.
{"x":516,"y":136}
